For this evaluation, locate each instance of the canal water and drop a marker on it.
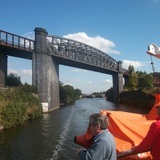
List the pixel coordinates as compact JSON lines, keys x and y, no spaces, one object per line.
{"x":50,"y":137}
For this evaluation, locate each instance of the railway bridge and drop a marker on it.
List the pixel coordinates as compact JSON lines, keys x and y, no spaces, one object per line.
{"x":47,"y":52}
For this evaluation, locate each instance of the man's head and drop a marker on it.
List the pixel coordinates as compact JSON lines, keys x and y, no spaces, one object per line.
{"x":97,"y":123}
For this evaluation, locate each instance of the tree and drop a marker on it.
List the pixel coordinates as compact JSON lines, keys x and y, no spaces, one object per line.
{"x":61,"y":92}
{"x":133,"y":79}
{"x":133,"y":82}
{"x":77,"y":93}
{"x":109,"y":95}
{"x":144,"y":80}
{"x":13,"y":80}
{"x":68,"y":94}
{"x":131,"y":69}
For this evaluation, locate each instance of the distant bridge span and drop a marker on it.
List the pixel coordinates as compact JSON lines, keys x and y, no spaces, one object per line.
{"x":47,"y":52}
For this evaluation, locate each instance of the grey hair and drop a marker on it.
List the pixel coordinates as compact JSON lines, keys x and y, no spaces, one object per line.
{"x":100,"y":119}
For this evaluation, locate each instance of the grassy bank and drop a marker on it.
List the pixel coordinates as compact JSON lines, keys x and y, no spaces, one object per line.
{"x":18,"y":105}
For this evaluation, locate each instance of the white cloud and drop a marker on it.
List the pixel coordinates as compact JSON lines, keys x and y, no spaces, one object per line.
{"x":26,"y":72}
{"x":29,"y":35}
{"x":90,"y":82}
{"x":23,"y":72}
{"x":98,"y":42}
{"x":135,"y":64}
{"x":78,"y":70}
{"x":13,"y":71}
{"x":68,"y":84}
{"x":106,"y":81}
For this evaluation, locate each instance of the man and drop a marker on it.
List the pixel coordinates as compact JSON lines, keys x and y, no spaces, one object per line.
{"x":151,"y":142}
{"x":103,"y":146}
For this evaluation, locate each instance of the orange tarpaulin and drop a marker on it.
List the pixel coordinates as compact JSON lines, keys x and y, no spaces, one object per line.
{"x":128,"y":130}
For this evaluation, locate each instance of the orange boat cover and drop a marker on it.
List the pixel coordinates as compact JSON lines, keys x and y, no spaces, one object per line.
{"x":128,"y":129}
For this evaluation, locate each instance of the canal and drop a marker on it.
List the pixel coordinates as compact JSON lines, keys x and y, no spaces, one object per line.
{"x":50,"y":137}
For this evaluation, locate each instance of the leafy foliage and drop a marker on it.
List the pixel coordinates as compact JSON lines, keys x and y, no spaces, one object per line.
{"x":141,"y":80}
{"x":68,"y":94}
{"x":77,"y":93}
{"x":109,"y":95}
{"x":137,"y":98}
{"x":140,"y":89}
{"x":13,"y":114}
{"x":18,"y":104}
{"x":133,"y":82}
{"x":144,"y":80}
{"x":13,"y":80}
{"x":131,"y":69}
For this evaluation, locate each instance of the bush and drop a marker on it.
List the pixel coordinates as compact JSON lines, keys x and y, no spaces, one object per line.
{"x":13,"y":114}
{"x":109,"y":95}
{"x":137,"y":98}
{"x":18,"y":104}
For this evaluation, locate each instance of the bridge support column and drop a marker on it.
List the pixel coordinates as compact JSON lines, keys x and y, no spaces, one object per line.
{"x":3,"y":69}
{"x":118,"y":82}
{"x":45,"y":72}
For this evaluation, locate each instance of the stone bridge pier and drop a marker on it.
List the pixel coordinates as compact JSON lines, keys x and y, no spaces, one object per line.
{"x":45,"y":72}
{"x":118,"y":82}
{"x":3,"y":69}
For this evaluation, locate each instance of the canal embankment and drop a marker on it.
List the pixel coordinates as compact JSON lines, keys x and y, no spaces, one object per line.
{"x":18,"y":105}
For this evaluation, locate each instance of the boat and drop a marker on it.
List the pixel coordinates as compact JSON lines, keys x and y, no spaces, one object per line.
{"x":128,"y":129}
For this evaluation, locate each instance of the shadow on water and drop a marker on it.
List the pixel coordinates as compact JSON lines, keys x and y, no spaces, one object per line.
{"x":51,"y":136}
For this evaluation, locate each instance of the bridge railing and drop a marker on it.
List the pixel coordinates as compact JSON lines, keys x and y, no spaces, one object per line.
{"x":12,"y":40}
{"x":74,"y":50}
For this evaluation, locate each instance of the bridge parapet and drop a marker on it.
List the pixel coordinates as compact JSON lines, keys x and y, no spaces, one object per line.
{"x":12,"y":40}
{"x":77,"y":51}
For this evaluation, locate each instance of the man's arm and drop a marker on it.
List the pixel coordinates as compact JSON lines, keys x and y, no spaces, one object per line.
{"x":148,"y":140}
{"x":129,"y":152}
{"x":126,"y":153}
{"x":82,"y":154}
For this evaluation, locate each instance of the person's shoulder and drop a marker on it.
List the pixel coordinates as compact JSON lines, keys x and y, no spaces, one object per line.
{"x":157,"y":122}
{"x":155,"y":125}
{"x":108,"y":135}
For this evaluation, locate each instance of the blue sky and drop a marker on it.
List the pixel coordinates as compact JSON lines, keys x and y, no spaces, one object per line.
{"x":122,"y":29}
